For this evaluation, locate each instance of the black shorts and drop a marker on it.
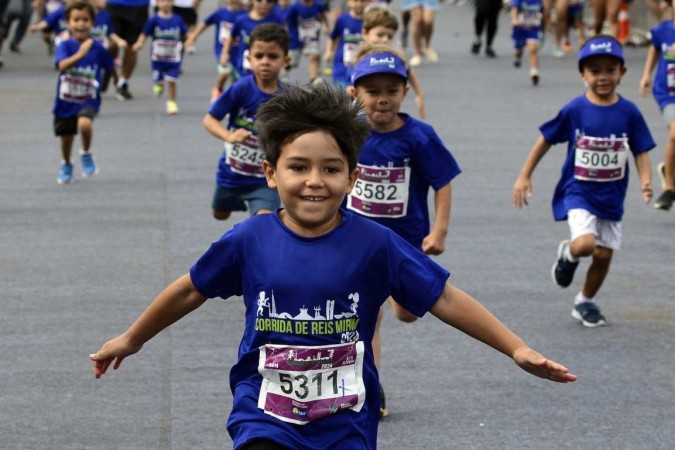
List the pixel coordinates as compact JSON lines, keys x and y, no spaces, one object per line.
{"x":67,"y":126}
{"x":189,"y":15}
{"x":128,"y":21}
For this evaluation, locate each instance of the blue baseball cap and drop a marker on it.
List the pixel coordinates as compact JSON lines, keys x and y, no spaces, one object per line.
{"x":600,"y":46}
{"x":380,"y":62}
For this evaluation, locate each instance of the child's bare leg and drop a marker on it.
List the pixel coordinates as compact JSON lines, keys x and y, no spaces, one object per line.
{"x":583,"y":246}
{"x":86,"y":130}
{"x":602,"y":257}
{"x":67,"y":147}
{"x":581,"y":29}
{"x":221,"y":80}
{"x":128,"y":63}
{"x":401,"y":313}
{"x":669,"y":159}
{"x":171,"y":90}
{"x":417,"y":30}
{"x":377,"y":342}
{"x":427,"y":28}
{"x":314,"y":63}
{"x":533,"y":50}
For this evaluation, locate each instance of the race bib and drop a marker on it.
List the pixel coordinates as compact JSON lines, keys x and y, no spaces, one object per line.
{"x":246,"y":65}
{"x":600,"y":159}
{"x":77,"y":89}
{"x":225,"y":31}
{"x":670,"y":73}
{"x":245,"y":158}
{"x":302,"y":384}
{"x":308,"y":31}
{"x":53,"y":5}
{"x":349,"y":53}
{"x":380,"y":192}
{"x":530,"y":19}
{"x":165,"y":50}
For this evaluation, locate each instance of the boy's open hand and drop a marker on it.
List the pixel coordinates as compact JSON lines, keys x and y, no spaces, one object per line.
{"x":647,"y":192}
{"x":114,"y":350}
{"x":534,"y":363}
{"x":645,"y":85}
{"x":522,"y":190}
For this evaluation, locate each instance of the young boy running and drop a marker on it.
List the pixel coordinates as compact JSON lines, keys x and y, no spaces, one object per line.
{"x":223,"y":19}
{"x":344,"y":41}
{"x":305,"y":19}
{"x":526,"y":17}
{"x":240,"y":179}
{"x":661,"y":55}
{"x":167,"y":31}
{"x":80,"y":61}
{"x":304,"y":381}
{"x":602,"y":128}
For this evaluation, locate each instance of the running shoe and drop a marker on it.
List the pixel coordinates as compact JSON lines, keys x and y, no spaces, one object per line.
{"x":158,"y":89}
{"x":665,"y":200}
{"x":490,"y":53}
{"x":65,"y":173}
{"x":558,"y":52}
{"x":563,"y":270}
{"x":567,"y":47}
{"x":89,"y":168}
{"x":431,"y":55}
{"x":661,"y":172}
{"x":588,"y":313}
{"x":171,"y":108}
{"x":123,"y":93}
{"x":415,"y":61}
{"x":534,"y":76}
{"x":383,"y":404}
{"x":516,"y":62}
{"x":475,"y":47}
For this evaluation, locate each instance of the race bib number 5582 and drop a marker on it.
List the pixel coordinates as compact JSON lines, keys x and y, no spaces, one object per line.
{"x":302,"y":384}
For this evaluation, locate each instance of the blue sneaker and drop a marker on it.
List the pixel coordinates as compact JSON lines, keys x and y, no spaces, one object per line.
{"x":65,"y":173}
{"x":89,"y":168}
{"x":589,"y":315}
{"x":563,"y":270}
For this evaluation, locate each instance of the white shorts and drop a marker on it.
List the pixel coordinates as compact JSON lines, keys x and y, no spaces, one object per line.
{"x":607,"y":233}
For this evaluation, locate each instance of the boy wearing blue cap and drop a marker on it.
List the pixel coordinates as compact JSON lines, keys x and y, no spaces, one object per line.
{"x":308,"y":381}
{"x":399,"y":162}
{"x":601,"y":128}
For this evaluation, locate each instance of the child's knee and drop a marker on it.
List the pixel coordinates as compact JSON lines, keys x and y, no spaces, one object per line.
{"x":84,"y":124}
{"x":583,"y":245}
{"x":220,"y":215}
{"x":602,"y":255}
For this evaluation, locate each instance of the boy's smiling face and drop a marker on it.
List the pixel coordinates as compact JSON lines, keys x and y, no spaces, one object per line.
{"x":602,"y":74}
{"x":312,"y":177}
{"x":79,"y":24}
{"x":382,"y":95}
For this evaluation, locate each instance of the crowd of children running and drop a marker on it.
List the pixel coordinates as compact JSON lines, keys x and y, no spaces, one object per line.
{"x":313,"y":171}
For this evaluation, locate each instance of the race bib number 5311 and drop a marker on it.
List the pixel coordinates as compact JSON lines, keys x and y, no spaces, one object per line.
{"x":302,"y":384}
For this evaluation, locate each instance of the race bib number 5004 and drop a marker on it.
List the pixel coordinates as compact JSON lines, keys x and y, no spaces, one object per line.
{"x":600,"y":159}
{"x":302,"y":384}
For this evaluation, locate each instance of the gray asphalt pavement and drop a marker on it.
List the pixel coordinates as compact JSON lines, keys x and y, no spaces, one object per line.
{"x":78,"y":264}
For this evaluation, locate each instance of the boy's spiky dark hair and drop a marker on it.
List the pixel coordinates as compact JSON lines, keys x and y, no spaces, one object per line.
{"x":270,"y":32}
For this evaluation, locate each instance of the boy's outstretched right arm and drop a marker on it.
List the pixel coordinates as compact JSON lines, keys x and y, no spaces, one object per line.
{"x":459,"y":310}
{"x":214,"y":127}
{"x":522,"y":189}
{"x":175,"y":301}
{"x":650,"y":63}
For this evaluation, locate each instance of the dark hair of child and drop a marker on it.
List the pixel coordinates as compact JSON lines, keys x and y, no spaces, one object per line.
{"x":270,"y":32}
{"x":81,"y":5}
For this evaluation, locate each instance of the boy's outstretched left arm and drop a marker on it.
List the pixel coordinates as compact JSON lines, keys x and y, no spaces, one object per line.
{"x":460,"y":310}
{"x":644,"y":168}
{"x":434,"y":243}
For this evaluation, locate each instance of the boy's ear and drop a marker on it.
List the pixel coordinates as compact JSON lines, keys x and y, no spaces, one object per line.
{"x":352,"y":180}
{"x":270,"y":174}
{"x":351,"y":90}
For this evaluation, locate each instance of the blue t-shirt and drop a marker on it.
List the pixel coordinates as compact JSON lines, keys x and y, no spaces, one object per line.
{"x":80,"y":85}
{"x":241,"y":32}
{"x":663,"y":36}
{"x":592,"y":180}
{"x":102,"y":27}
{"x":241,"y":102}
{"x":412,"y":156}
{"x":224,"y":19}
{"x":347,"y":31}
{"x":56,"y":21}
{"x":167,"y":35}
{"x":301,"y":15}
{"x":336,"y":302}
{"x":529,"y":12}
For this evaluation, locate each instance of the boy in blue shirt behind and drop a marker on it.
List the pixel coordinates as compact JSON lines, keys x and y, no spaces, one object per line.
{"x":301,"y":380}
{"x":601,"y":129}
{"x":168,"y":31}
{"x":240,"y":181}
{"x":526,"y":18}
{"x":80,"y":61}
{"x":305,"y":19}
{"x":344,"y":41}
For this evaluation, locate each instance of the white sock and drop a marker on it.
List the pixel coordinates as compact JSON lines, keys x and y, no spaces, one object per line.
{"x":568,"y":255}
{"x":121,"y":82}
{"x":580,"y":298}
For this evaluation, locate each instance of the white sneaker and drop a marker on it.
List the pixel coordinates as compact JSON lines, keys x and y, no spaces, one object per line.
{"x":415,"y":61}
{"x":558,"y":52}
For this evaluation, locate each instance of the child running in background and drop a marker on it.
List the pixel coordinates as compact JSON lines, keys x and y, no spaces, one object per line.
{"x":575,"y":19}
{"x":167,"y":31}
{"x":103,"y":33}
{"x":661,"y":55}
{"x":223,"y":19}
{"x":400,"y":161}
{"x":307,"y":384}
{"x":379,"y":27}
{"x":240,"y":179}
{"x":601,"y":128}
{"x":43,"y":9}
{"x":526,"y":18}
{"x":344,"y":41}
{"x":79,"y":61}
{"x":260,"y":13}
{"x":53,"y":27}
{"x":305,"y":19}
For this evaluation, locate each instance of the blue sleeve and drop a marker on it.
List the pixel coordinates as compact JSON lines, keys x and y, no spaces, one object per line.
{"x":640,"y":139}
{"x":218,"y":273}
{"x":438,"y":166}
{"x":337,"y":29}
{"x":557,"y":130}
{"x":62,"y":52}
{"x":656,"y":38}
{"x":226,"y":103}
{"x":416,"y":281}
{"x":148,"y":28}
{"x":212,"y":19}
